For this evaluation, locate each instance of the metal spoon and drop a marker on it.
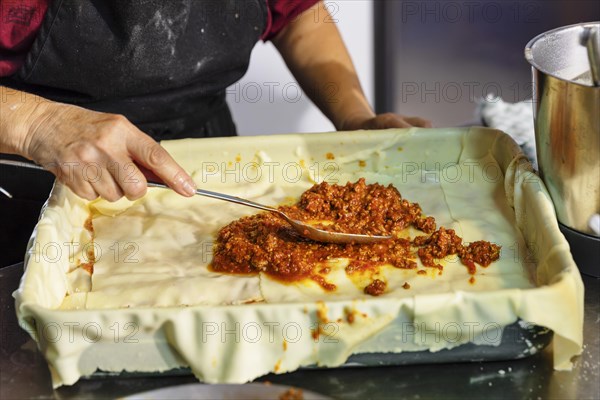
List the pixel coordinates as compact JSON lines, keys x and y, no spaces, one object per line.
{"x":591,"y":41}
{"x":303,"y":229}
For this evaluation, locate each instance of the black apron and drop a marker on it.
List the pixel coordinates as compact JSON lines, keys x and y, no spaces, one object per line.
{"x":164,"y":64}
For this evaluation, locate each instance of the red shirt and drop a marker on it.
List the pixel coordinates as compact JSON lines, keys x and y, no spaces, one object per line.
{"x":20,"y":20}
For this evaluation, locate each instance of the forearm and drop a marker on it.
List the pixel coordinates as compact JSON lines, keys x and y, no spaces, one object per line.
{"x":17,"y":110}
{"x":315,"y":53}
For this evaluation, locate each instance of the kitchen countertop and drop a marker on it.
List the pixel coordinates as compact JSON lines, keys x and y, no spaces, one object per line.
{"x":24,"y":373}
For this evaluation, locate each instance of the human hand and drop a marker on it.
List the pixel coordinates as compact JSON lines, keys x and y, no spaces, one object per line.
{"x":384,"y":121}
{"x":97,"y":154}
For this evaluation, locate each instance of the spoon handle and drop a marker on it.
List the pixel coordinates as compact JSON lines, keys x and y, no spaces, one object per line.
{"x":591,"y":38}
{"x":221,"y":196}
{"x":22,"y":164}
{"x":201,"y":192}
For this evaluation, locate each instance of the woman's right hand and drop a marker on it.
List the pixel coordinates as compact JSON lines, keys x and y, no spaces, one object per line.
{"x":93,"y":153}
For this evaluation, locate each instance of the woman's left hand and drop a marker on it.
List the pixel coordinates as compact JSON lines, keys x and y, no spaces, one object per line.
{"x":384,"y":121}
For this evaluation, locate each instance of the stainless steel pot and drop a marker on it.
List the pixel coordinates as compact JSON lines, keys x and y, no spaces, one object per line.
{"x":567,"y":122}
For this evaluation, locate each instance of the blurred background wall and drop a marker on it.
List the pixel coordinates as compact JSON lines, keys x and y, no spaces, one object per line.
{"x":440,"y":57}
{"x":435,"y":59}
{"x":268,"y":99}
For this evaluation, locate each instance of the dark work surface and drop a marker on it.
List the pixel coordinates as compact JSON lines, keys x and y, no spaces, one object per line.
{"x":24,"y":373}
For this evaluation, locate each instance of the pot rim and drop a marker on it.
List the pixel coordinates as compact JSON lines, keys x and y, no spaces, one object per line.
{"x":532,"y":42}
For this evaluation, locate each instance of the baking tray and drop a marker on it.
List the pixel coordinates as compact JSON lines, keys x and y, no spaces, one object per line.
{"x":519,"y":340}
{"x":543,"y":293}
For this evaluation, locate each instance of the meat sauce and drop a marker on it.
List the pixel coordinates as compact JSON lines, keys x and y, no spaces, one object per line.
{"x":90,"y":254}
{"x":266,"y":243}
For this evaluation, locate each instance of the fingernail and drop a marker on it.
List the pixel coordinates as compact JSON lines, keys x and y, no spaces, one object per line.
{"x":189,"y":187}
